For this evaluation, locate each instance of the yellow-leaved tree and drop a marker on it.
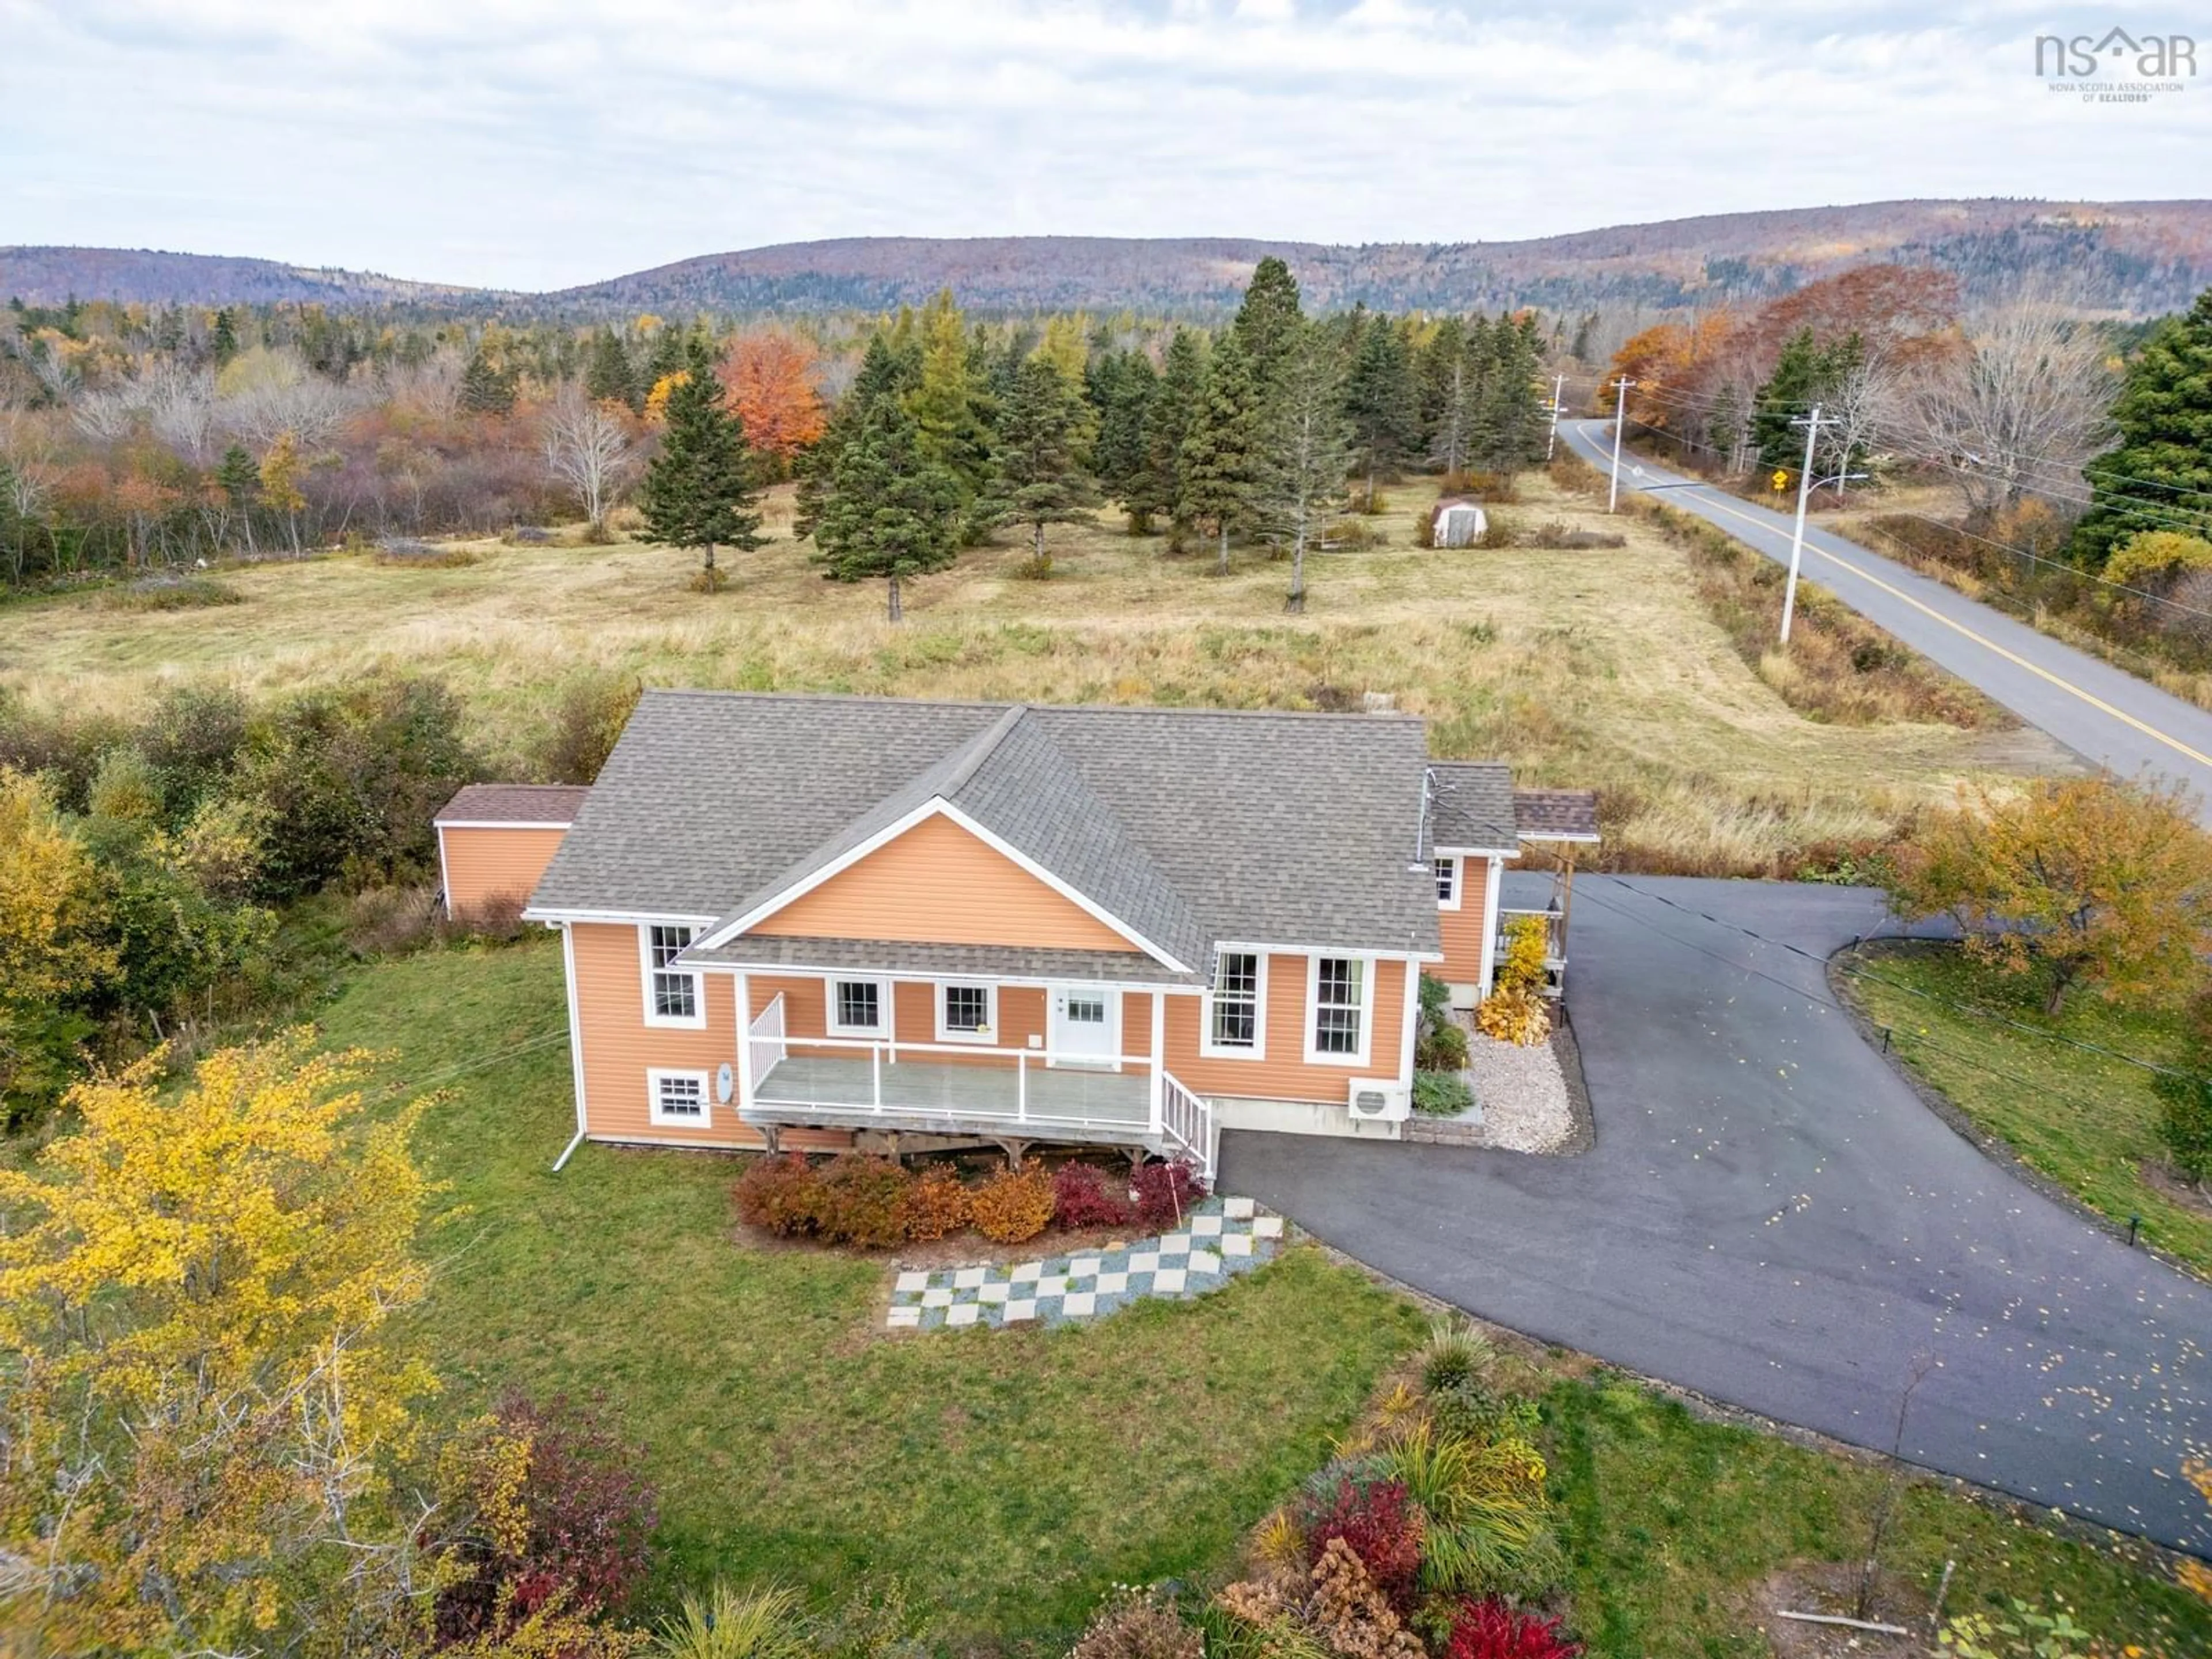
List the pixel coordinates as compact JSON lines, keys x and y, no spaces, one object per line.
{"x":49,"y":953}
{"x":2089,"y":881}
{"x":202,"y":1407}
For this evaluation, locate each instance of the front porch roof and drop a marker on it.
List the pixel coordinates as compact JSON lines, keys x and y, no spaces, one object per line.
{"x":922,"y":960}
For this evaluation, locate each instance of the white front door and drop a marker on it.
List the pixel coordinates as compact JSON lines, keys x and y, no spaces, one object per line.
{"x":1085,"y":1028}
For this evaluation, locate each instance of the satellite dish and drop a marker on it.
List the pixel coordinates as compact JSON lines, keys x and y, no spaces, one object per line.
{"x":725,"y":1083}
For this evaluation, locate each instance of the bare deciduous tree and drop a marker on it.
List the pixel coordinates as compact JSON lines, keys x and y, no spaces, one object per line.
{"x":2020,"y":407}
{"x":278,"y":394}
{"x":588,"y":447}
{"x":180,"y":407}
{"x":1863,"y":405}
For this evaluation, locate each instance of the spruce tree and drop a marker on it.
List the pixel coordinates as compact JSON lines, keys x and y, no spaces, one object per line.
{"x":887,"y":510}
{"x":1512,"y":428}
{"x":1806,"y":371}
{"x":948,"y":402}
{"x":699,"y":491}
{"x":1220,"y":458}
{"x":1125,"y":389}
{"x":240,"y":480}
{"x":484,"y":389}
{"x":609,"y":377}
{"x":1268,"y":321}
{"x":223,"y":340}
{"x":2159,"y":475}
{"x":1381,"y":398}
{"x":1038,"y":477}
{"x":885,"y":371}
{"x":1308,"y":450}
{"x":1158,"y":489}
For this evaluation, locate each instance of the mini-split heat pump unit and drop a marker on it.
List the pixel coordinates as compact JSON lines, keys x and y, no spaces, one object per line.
{"x":1380,"y":1100}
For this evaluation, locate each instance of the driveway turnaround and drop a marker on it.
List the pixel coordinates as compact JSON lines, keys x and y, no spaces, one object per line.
{"x":1772,"y":1218}
{"x":2101,"y":713}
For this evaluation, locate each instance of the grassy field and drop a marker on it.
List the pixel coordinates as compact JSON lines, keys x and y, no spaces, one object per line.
{"x":1007,"y":1478}
{"x":2089,"y":1122}
{"x":1597,"y":667}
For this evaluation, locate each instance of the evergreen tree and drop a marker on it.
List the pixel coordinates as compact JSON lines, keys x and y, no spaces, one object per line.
{"x":1158,"y":489}
{"x":222,"y":341}
{"x":671,"y":349}
{"x":1438,"y":366}
{"x":948,"y":404}
{"x":609,"y":376}
{"x":240,"y":480}
{"x":1806,"y":372}
{"x":2159,"y":475}
{"x":886,"y":372}
{"x":1381,"y":398}
{"x":1124,"y":387}
{"x":699,"y":490}
{"x":889,"y":510}
{"x":1510,"y":433}
{"x":1038,"y":478}
{"x":1268,"y":322}
{"x":1220,"y":458}
{"x":484,"y":389}
{"x":1453,"y":379}
{"x":1308,"y":450}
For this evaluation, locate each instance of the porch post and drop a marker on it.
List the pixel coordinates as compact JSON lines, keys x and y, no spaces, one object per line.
{"x":1159,"y":1087}
{"x":743,"y":983}
{"x":1491,"y":885}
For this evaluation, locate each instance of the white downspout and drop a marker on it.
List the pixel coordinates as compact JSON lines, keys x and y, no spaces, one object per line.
{"x":575,"y":1043}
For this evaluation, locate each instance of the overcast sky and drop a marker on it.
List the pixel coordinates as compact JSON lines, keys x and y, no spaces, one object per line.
{"x":536,"y":144}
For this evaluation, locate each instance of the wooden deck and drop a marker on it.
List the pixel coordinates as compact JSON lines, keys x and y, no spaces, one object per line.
{"x":950,"y":1099}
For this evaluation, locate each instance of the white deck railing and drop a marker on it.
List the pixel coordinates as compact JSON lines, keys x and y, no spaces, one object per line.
{"x":765,"y":1040}
{"x":1186,"y":1121}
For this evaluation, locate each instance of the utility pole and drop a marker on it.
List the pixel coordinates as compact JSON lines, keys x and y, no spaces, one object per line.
{"x":1812,"y":425}
{"x":1619,"y":424}
{"x":1558,"y":388}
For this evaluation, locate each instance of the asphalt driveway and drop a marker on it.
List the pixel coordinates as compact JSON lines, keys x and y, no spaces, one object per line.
{"x":1771,"y":1217}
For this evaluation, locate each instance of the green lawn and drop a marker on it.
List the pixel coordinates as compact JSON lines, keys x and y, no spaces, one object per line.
{"x":2089,"y":1122}
{"x":1006,"y":1478}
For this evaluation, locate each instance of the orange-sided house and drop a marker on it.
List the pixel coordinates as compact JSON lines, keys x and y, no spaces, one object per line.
{"x":795,"y":920}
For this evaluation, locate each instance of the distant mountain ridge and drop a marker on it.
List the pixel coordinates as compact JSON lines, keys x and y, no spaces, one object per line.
{"x":2124,"y":259}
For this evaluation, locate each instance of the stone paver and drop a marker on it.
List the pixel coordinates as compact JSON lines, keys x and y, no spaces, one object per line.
{"x":1219,"y":1238}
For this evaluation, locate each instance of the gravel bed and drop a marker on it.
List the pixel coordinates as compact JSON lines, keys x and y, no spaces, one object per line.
{"x":1521,"y":1094}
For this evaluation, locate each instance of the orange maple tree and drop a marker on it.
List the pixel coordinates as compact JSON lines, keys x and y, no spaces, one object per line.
{"x":769,"y":376}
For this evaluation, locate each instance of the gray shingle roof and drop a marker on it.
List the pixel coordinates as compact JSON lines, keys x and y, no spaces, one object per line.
{"x":1555,"y":814}
{"x":549,"y":804}
{"x":938,"y":961}
{"x":1192,"y":826}
{"x":1473,"y":807}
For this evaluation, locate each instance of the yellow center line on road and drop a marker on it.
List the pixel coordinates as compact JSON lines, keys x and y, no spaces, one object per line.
{"x":1956,"y":627}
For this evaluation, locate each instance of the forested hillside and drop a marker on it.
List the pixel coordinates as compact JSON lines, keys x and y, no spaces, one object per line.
{"x":2124,"y":259}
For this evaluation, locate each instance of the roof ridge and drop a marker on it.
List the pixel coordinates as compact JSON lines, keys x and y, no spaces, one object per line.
{"x":1372,"y":717}
{"x":979,"y":749}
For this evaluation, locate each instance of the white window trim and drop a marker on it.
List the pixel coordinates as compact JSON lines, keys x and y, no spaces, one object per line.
{"x":837,"y":1027}
{"x":655,"y":1075}
{"x":985,"y":1037}
{"x":1458,"y":881}
{"x":697,"y":1022}
{"x":1206,"y":1046}
{"x":1367,"y":999}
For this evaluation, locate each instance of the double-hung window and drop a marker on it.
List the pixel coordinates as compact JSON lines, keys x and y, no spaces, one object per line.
{"x":1338,"y":1010}
{"x":677,"y":1099}
{"x":1232,"y":1025}
{"x":860,"y":1007}
{"x":671,"y":993}
{"x":1448,"y":884}
{"x":964,"y":1014}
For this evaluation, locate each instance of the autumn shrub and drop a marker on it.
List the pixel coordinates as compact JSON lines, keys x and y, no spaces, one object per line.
{"x":1487,"y":1519}
{"x":1516,"y":1016}
{"x":781,"y":1195}
{"x":1352,"y":1614}
{"x":1014,"y":1205}
{"x":2185,"y":1123}
{"x":1165,"y":1192}
{"x":1083,"y":1197}
{"x":592,"y":711}
{"x":565,"y":1519}
{"x":936,"y":1204}
{"x":1491,"y":1629}
{"x":1375,"y":1520}
{"x":862,"y":1201}
{"x":390,"y":922}
{"x":1137,"y":1624}
{"x":1438,"y":1044}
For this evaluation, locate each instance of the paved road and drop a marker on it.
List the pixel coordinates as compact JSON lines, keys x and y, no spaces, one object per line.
{"x":2098,"y":711}
{"x":1772,"y":1218}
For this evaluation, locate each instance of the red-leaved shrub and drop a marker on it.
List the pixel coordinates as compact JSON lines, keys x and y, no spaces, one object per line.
{"x":587,"y":1514}
{"x":1488,"y":1628}
{"x":1379,"y":1524}
{"x":862,"y":1201}
{"x":782,"y":1194}
{"x":1083,"y":1196}
{"x":1165,"y":1192}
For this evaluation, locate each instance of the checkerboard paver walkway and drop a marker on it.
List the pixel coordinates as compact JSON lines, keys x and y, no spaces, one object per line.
{"x":1220,"y":1237}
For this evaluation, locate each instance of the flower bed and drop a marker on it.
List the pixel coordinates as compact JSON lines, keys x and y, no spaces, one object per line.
{"x":876,"y":1203}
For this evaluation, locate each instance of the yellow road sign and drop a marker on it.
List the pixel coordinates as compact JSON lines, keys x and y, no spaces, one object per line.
{"x":1781,"y":481}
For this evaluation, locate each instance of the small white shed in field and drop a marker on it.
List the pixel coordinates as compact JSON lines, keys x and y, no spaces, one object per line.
{"x":1457,"y":522}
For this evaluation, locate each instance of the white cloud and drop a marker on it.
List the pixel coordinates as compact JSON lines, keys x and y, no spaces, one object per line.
{"x":536,"y":144}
